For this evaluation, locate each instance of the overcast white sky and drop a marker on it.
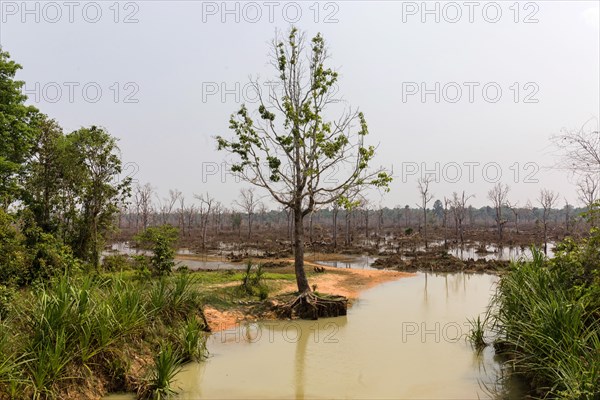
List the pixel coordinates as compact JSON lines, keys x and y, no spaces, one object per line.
{"x":172,"y":72}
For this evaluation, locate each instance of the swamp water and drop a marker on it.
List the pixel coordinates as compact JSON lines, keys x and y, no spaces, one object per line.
{"x":402,"y":340}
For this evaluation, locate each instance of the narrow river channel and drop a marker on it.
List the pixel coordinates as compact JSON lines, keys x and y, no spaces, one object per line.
{"x":402,"y":340}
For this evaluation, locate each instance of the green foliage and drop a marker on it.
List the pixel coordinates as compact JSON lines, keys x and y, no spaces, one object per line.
{"x":253,"y":282}
{"x":288,"y":145}
{"x":147,"y":238}
{"x":161,"y":240}
{"x":167,"y":364}
{"x":191,"y":340}
{"x":17,"y":129}
{"x":71,"y":323}
{"x":164,"y":256}
{"x":28,"y":254}
{"x":476,"y":335}
{"x":173,"y":299}
{"x":118,"y":262}
{"x":303,"y":133}
{"x":70,"y":186}
{"x":7,"y":295}
{"x":14,"y":257}
{"x":95,"y":155}
{"x":547,"y":313}
{"x":47,"y":191}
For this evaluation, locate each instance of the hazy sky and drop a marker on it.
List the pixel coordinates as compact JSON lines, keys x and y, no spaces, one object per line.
{"x":469,"y":88}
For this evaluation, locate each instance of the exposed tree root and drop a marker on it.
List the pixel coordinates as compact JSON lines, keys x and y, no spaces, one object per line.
{"x":310,"y":306}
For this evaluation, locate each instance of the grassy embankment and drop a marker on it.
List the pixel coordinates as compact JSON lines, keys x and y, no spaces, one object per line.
{"x":83,"y":336}
{"x":546,"y":318}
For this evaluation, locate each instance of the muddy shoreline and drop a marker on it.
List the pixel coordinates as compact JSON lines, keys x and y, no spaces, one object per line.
{"x":336,"y":281}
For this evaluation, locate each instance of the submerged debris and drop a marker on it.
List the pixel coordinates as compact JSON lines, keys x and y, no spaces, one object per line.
{"x":438,"y":260}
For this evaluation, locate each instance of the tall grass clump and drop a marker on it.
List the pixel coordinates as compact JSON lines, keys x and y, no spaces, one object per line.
{"x":190,"y":340}
{"x":253,"y":282}
{"x":76,"y":333}
{"x":167,"y":363}
{"x":547,"y":317}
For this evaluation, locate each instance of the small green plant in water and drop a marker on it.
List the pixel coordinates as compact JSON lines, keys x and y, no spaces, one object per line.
{"x":476,"y":334}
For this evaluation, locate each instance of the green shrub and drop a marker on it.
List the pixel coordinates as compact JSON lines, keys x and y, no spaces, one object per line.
{"x":118,"y":262}
{"x":161,"y":240}
{"x":164,"y":256}
{"x":14,"y":257}
{"x":7,"y":295}
{"x":253,"y":282}
{"x":547,"y":314}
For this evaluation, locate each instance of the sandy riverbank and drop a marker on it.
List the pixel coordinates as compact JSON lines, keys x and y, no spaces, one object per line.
{"x":345,"y":282}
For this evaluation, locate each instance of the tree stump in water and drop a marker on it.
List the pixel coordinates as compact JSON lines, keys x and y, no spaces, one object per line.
{"x":310,"y":306}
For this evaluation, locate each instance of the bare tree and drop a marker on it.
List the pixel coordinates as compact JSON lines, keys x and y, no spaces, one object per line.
{"x":426,"y":197}
{"x":514,"y":208}
{"x":568,"y":209}
{"x":334,"y":214}
{"x":204,"y":209}
{"x":588,"y":189}
{"x":217,"y":212}
{"x":166,"y":205}
{"x":365,"y":208}
{"x":236,"y":221}
{"x":190,"y":213}
{"x":445,"y":211}
{"x":498,"y":195}
{"x":142,"y":198}
{"x":459,"y":210}
{"x":248,"y":202}
{"x":182,"y":213}
{"x":580,"y":149}
{"x":528,"y":210}
{"x":380,"y":220}
{"x":547,"y":200}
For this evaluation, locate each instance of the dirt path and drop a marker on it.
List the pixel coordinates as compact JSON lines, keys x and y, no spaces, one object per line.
{"x":340,"y":281}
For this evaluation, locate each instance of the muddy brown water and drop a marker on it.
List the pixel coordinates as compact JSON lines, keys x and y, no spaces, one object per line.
{"x":400,"y":340}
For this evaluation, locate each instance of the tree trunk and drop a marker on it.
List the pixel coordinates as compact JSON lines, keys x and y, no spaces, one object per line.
{"x":367,"y":224}
{"x":301,"y":279}
{"x":425,"y":225}
{"x":335,"y":214}
{"x":310,"y":230}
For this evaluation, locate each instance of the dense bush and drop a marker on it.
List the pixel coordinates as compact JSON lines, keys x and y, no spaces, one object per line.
{"x":28,"y":254}
{"x":162,"y":241}
{"x":547,"y":316}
